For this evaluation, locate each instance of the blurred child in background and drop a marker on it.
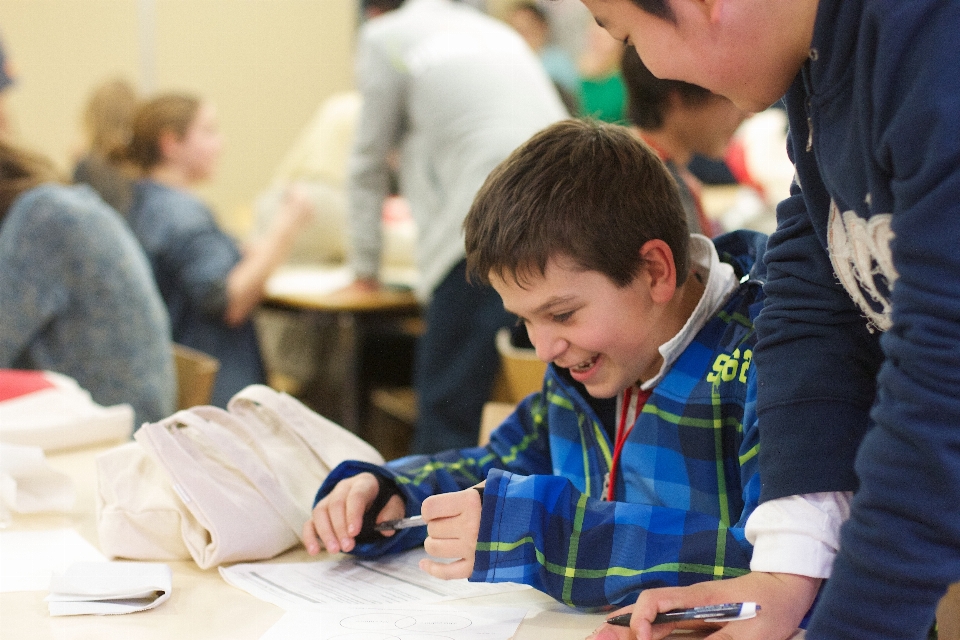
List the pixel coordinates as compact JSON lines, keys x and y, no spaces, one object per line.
{"x":106,"y":124}
{"x":678,"y":120}
{"x":209,"y":285}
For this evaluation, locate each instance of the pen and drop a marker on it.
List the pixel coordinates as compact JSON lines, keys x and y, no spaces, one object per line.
{"x":709,"y":613}
{"x":402,"y":523}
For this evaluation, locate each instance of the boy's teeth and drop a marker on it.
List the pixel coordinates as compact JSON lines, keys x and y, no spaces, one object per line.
{"x":583,"y":366}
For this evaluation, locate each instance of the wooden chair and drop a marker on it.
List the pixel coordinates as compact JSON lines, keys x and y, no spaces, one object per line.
{"x":521,"y":373}
{"x":948,"y":615}
{"x":196,"y":373}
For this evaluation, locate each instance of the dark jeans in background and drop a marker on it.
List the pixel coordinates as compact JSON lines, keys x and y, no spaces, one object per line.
{"x":456,"y":362}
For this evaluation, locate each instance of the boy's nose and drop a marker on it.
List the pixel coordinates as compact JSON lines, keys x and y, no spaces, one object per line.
{"x":549,"y":346}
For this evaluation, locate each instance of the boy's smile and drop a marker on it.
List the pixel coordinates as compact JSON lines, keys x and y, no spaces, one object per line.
{"x":606,"y":336}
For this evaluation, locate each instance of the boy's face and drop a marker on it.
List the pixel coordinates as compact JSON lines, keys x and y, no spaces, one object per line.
{"x":580,"y":320}
{"x":747,"y":50}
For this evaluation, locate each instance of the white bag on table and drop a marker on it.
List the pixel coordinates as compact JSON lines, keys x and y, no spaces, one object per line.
{"x":220,"y":486}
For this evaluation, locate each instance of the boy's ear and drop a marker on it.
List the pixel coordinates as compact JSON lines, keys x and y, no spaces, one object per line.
{"x":659,"y":269}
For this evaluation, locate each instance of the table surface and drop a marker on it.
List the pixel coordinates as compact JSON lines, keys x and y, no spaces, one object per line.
{"x":321,"y":288}
{"x":382,"y":300}
{"x":203,"y":606}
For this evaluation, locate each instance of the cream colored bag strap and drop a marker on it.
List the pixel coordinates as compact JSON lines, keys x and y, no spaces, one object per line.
{"x":210,"y":443}
{"x":329,"y":441}
{"x":238,"y":445}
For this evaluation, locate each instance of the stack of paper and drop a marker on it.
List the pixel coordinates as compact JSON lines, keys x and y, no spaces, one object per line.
{"x":107,"y":588}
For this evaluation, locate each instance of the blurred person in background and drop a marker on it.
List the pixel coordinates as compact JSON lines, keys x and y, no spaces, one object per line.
{"x":602,"y":92}
{"x":210,"y":286}
{"x":107,"y":130}
{"x":678,"y":120}
{"x":453,"y":92}
{"x":6,"y":81}
{"x":76,"y":293}
{"x":532,"y":24}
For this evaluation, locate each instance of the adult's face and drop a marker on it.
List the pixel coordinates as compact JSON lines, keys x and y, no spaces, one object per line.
{"x":747,"y":50}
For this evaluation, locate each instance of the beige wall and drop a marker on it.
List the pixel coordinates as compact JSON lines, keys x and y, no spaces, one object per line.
{"x":267,"y":64}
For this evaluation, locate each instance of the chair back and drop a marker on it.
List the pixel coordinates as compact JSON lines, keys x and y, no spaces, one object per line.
{"x":196,"y":373}
{"x":521,"y":372}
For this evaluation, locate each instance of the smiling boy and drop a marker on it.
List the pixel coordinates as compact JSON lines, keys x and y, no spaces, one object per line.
{"x":635,"y":466}
{"x":858,"y":355}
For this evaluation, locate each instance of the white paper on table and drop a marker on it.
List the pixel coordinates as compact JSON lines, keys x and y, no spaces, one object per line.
{"x":109,"y":588}
{"x":309,"y":280}
{"x":349,"y":581}
{"x":29,"y":558}
{"x":28,"y":484}
{"x":320,"y":280}
{"x":365,"y":623}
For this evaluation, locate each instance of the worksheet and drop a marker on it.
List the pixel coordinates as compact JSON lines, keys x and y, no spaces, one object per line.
{"x":348,"y":581}
{"x":384,"y":623}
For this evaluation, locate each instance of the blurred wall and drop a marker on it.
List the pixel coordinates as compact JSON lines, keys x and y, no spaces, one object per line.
{"x":267,"y":64}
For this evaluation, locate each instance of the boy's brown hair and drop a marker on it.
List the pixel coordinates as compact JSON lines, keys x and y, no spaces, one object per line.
{"x":589,"y":191}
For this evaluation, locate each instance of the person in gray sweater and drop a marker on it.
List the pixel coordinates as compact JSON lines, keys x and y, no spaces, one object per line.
{"x":452,"y":92}
{"x":76,"y":292}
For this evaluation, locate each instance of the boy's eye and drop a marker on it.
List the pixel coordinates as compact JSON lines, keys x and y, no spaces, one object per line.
{"x":562,"y":317}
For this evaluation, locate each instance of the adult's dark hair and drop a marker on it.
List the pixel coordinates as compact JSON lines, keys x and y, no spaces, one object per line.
{"x":21,"y":170}
{"x":584,"y":190}
{"x":648,"y":96}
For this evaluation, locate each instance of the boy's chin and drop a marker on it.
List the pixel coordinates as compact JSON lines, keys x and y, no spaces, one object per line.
{"x":602,"y":391}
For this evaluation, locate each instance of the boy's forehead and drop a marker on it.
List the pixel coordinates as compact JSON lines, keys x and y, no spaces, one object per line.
{"x":531,"y":288}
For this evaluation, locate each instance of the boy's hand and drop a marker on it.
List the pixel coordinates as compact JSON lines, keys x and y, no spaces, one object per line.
{"x":453,"y":525}
{"x":784,"y":599}
{"x":337,"y":519}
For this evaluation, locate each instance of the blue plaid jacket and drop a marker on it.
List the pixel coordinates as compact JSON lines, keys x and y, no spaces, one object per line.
{"x":687,"y":481}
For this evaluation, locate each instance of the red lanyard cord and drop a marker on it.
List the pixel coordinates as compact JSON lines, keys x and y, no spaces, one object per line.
{"x":623,"y":430}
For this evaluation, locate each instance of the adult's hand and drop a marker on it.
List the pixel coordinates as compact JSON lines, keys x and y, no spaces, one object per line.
{"x":783,"y":598}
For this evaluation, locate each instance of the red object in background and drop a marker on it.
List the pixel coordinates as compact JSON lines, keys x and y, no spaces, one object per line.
{"x":736,"y":160}
{"x":18,"y":382}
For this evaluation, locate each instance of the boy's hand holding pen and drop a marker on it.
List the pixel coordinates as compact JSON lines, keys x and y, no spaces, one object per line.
{"x":339,"y":518}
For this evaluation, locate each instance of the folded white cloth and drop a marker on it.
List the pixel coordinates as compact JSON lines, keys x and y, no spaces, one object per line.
{"x":29,"y":485}
{"x":108,"y":588}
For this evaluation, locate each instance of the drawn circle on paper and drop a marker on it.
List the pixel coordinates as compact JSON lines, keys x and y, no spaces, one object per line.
{"x":378,"y":621}
{"x":436,"y":623}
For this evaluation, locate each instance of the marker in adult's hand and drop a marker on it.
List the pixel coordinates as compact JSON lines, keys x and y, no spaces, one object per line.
{"x":709,"y":613}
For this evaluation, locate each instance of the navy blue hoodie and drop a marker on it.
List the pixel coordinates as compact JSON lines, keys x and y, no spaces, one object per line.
{"x":859,"y":351}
